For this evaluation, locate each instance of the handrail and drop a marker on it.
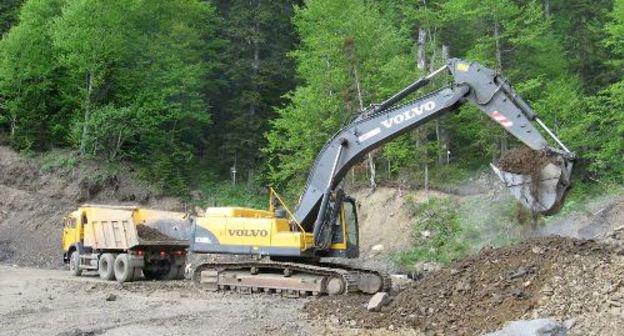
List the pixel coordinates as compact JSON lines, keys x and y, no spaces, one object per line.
{"x":272,"y":193}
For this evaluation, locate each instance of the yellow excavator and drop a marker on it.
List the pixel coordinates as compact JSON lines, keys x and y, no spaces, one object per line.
{"x":287,"y":247}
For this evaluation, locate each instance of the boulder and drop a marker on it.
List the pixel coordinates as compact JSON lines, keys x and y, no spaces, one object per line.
{"x":377,"y":301}
{"x":542,"y":327}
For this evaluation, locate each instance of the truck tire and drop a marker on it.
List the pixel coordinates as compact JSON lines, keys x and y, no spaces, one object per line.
{"x":106,"y":266}
{"x":124,"y":271}
{"x":74,"y":264}
{"x":151,"y":275}
{"x":174,"y":272}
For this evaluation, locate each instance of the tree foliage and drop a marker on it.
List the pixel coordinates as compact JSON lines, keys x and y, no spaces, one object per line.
{"x":189,"y":88}
{"x":348,"y":51}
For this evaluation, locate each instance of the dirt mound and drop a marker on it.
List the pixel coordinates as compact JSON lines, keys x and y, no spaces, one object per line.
{"x":38,"y":191}
{"x":150,"y":234}
{"x":474,"y":295}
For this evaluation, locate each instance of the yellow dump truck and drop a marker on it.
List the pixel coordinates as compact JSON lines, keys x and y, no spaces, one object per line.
{"x":123,"y":242}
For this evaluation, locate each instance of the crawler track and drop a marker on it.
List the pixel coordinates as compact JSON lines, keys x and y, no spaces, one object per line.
{"x":289,"y":278}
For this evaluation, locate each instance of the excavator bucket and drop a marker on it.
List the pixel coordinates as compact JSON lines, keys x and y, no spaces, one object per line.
{"x":538,"y":179}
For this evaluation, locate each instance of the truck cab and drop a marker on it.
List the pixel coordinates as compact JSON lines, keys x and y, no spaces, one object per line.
{"x":73,"y":231}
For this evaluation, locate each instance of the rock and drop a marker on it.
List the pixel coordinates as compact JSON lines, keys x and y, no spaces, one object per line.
{"x":463,"y":286}
{"x":111,"y":297}
{"x":377,"y":301}
{"x":518,"y":294}
{"x":569,"y":323}
{"x":547,"y":290}
{"x":497,"y":298}
{"x":377,"y":248}
{"x":541,"y":327}
{"x":427,"y":266}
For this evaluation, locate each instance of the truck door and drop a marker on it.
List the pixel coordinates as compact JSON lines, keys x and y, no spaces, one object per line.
{"x":71,"y":232}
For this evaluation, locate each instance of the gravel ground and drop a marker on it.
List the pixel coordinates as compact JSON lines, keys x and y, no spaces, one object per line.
{"x":51,"y":302}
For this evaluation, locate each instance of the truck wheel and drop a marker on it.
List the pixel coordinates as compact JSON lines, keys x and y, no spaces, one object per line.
{"x":173,"y":273}
{"x":181,"y":272}
{"x":151,"y":275}
{"x":124,"y":272}
{"x":105,"y":266}
{"x":74,"y":264}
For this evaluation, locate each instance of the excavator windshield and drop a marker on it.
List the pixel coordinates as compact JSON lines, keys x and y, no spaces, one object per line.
{"x":351,"y":222}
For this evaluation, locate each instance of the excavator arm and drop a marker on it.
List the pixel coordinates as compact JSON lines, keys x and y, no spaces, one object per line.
{"x":473,"y":83}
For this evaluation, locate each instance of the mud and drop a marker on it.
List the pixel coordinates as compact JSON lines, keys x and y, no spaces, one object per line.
{"x":147,"y":233}
{"x":471,"y":296}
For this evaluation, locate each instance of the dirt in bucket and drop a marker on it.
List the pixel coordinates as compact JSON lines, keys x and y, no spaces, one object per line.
{"x":526,"y":161}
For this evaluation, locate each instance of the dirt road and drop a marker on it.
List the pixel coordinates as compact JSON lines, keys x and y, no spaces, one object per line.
{"x":51,"y":302}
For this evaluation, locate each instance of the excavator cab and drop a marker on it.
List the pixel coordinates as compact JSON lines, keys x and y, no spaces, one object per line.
{"x":345,"y":238}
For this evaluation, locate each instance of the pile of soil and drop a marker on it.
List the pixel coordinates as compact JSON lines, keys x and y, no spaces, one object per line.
{"x":475,"y":295}
{"x":147,"y":233}
{"x":524,"y":161}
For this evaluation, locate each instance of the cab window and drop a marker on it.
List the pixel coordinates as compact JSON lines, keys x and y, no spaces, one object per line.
{"x":71,"y":222}
{"x":352,"y":225}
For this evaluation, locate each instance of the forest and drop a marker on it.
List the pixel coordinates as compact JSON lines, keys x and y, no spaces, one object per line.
{"x":189,"y":91}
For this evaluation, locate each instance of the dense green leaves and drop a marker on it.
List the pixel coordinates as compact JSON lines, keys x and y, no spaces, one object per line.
{"x":190,"y":88}
{"x":255,"y":73}
{"x":349,"y":52}
{"x":116,"y":79}
{"x":30,"y":79}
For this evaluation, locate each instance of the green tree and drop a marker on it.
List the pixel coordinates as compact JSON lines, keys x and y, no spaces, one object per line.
{"x":579,"y":26}
{"x":350,"y":55}
{"x":9,"y":10}
{"x":145,"y":67}
{"x":30,"y":79}
{"x":256,"y":73}
{"x":93,"y":38}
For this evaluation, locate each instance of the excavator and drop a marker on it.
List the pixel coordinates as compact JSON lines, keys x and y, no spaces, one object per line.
{"x":283,"y":250}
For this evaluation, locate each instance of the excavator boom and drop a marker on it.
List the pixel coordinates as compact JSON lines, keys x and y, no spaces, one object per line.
{"x":325,"y":221}
{"x":473,"y":83}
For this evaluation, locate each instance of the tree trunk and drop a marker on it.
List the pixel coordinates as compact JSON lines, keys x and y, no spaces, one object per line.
{"x":441,"y":144}
{"x":422,"y":39}
{"x":371,"y":162}
{"x":87,"y":116}
{"x":426,"y":175}
{"x":547,"y":7}
{"x":251,"y":177}
{"x":499,"y":55}
{"x":13,"y":127}
{"x":445,"y":53}
{"x":356,"y":78}
{"x":443,"y":139}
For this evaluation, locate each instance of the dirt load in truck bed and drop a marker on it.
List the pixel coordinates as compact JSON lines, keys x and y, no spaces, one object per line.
{"x":147,"y":233}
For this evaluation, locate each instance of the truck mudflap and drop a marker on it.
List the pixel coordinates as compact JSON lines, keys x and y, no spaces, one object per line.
{"x":136,"y":261}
